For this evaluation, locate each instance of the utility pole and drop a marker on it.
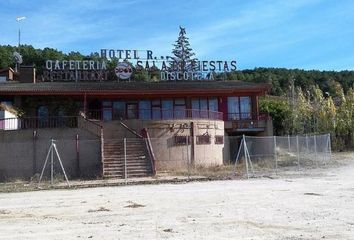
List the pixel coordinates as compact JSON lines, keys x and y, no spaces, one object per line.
{"x":17,"y":54}
{"x":19,"y":19}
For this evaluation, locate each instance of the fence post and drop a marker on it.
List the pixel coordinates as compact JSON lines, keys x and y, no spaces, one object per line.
{"x":188,"y":162}
{"x":289,"y":144}
{"x":238,"y":155}
{"x":125,"y":159}
{"x":51,"y":164}
{"x":315,"y":142}
{"x":298,"y":151}
{"x":275,"y":154}
{"x":329,"y":146}
{"x":34,"y":152}
{"x":78,"y":173}
{"x":245,"y":152}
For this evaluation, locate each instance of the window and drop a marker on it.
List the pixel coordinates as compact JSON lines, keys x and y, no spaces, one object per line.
{"x":119,"y":110}
{"x":132,"y":110}
{"x":219,"y":139}
{"x":239,"y":108}
{"x":145,"y":109}
{"x":204,"y":107}
{"x":182,"y":140}
{"x":167,"y":109}
{"x":43,"y":116}
{"x":203,"y":139}
{"x":245,"y":106}
{"x":107,"y":110}
{"x":195,"y":108}
{"x":213,"y":108}
{"x":43,"y":113}
{"x":180,"y":108}
{"x":156,"y":109}
{"x":233,"y":108}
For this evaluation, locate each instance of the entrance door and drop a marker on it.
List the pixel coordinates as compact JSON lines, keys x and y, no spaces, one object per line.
{"x":132,"y":110}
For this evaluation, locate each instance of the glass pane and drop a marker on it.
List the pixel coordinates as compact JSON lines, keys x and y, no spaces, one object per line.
{"x":213,"y":108}
{"x":118,"y":110}
{"x":107,"y":114}
{"x":132,"y":111}
{"x":245,"y":107}
{"x":156,"y":102}
{"x":180,"y":101}
{"x":167,"y":109}
{"x":145,"y":109}
{"x":213,"y":105}
{"x":233,"y":108}
{"x":156,"y":113}
{"x":43,"y":112}
{"x":204,"y":108}
{"x":180,"y":112}
{"x":107,"y":103}
{"x":195,"y":108}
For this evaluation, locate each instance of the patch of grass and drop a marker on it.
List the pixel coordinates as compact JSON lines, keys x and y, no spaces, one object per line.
{"x":100,"y":209}
{"x":134,"y":205}
{"x":4,"y":212}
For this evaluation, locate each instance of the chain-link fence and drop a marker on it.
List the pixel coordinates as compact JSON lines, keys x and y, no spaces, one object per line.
{"x":261,"y":155}
{"x":204,"y":155}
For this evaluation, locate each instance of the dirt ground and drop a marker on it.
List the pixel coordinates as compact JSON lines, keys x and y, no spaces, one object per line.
{"x":316,"y":205}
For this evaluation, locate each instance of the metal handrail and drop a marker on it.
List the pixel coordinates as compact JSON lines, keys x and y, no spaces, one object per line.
{"x":158,"y":114}
{"x":38,"y":122}
{"x":89,"y":125}
{"x":131,"y":130}
{"x":150,"y":150}
{"x":240,"y":116}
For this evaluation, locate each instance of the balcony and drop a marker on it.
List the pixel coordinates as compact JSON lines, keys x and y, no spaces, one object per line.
{"x":36,"y":122}
{"x":245,"y":122}
{"x":154,"y":114}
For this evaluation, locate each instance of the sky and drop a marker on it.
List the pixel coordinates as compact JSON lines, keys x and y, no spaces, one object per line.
{"x":303,"y":34}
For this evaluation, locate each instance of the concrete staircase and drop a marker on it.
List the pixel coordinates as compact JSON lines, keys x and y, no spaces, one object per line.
{"x":138,"y":160}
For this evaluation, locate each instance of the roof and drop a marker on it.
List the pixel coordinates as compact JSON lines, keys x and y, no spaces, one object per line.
{"x":129,"y":88}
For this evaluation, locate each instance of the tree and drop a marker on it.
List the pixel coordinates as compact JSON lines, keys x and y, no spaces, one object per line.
{"x":279,"y":110}
{"x":183,"y":58}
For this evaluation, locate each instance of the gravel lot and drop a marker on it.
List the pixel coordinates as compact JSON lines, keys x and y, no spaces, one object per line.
{"x":315,"y":206}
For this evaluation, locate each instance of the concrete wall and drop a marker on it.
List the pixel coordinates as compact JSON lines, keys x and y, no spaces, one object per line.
{"x":23,"y":152}
{"x":170,"y":155}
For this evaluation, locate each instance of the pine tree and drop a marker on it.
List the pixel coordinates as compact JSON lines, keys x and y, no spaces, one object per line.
{"x":183,"y":58}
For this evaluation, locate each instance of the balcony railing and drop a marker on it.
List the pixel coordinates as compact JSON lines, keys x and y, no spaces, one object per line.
{"x":36,"y":122}
{"x":154,"y":114}
{"x":246,"y":116}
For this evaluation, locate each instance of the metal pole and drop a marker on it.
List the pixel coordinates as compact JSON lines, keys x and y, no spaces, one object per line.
{"x":289,"y":145}
{"x":60,"y":162}
{"x":298,"y":151}
{"x":45,"y":163}
{"x":188,"y":162}
{"x":125,"y":160}
{"x":329,"y":146}
{"x":51,"y":163}
{"x":314,"y":139}
{"x":275,"y":154}
{"x":249,"y":160}
{"x":245,"y":153}
{"x":78,"y":155}
{"x":238,"y":154}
